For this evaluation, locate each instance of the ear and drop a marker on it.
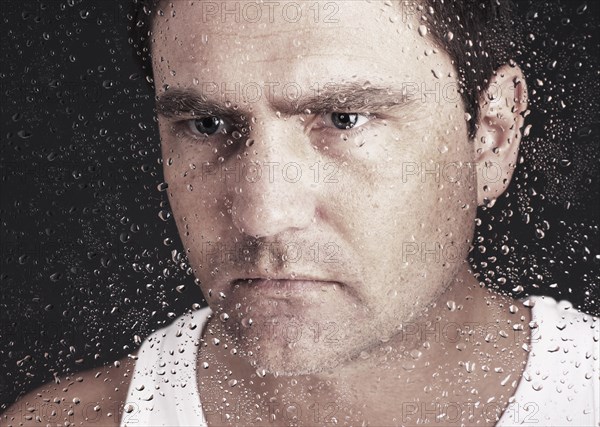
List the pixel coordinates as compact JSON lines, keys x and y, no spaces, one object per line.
{"x":502,"y":106}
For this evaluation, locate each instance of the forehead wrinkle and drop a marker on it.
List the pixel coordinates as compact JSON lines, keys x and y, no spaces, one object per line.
{"x":311,"y":35}
{"x":381,"y":67}
{"x":310,"y":55}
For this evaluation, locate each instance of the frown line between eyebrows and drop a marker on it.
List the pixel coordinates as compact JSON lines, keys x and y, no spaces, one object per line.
{"x":347,"y":97}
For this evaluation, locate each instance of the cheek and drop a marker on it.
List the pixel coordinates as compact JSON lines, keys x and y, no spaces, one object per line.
{"x":193,"y":202}
{"x":188,"y":177}
{"x":416,"y":214}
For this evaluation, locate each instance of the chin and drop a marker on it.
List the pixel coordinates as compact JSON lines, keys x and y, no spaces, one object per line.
{"x":284,"y":358}
{"x":291,"y":363}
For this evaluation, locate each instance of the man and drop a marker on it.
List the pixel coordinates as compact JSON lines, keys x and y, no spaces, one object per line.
{"x":324,"y":165}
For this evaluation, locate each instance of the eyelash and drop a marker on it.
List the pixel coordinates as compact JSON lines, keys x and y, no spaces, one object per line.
{"x":183,"y":126}
{"x":349,"y":133}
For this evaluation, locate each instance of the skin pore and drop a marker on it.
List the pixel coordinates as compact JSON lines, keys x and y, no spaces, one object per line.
{"x":380,"y":245}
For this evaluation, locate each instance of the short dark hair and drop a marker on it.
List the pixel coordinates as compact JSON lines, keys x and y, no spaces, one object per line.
{"x":478,"y":35}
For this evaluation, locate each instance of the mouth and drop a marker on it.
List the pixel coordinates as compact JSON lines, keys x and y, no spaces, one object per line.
{"x":292,"y":284}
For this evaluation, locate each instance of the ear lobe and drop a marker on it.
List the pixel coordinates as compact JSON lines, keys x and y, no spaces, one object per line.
{"x":498,"y":136}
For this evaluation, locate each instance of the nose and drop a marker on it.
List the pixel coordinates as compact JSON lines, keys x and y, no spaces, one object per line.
{"x":275,"y":193}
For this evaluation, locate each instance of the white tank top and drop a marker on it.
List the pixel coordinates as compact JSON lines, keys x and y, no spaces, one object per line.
{"x":560,"y":385}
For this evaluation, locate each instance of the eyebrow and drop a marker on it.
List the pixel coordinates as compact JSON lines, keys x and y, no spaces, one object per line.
{"x":348,"y":97}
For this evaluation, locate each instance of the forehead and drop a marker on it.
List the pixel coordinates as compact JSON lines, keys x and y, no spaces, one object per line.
{"x":300,"y":41}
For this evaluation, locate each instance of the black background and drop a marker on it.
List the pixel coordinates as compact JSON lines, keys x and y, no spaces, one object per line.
{"x":87,"y":261}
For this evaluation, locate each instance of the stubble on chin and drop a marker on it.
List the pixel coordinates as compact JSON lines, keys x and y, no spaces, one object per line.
{"x":285,"y":358}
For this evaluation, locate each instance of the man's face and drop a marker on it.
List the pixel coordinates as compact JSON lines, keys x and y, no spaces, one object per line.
{"x":317,"y":160}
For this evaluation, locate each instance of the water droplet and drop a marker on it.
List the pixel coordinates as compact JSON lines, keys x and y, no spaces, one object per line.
{"x":164,"y":215}
{"x":408,"y":365}
{"x":23,"y":134}
{"x":261,"y":373}
{"x":415,"y":354}
{"x":505,"y":380}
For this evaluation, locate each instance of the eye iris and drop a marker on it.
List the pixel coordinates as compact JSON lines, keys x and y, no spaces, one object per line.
{"x":344,"y":120}
{"x":208,"y":125}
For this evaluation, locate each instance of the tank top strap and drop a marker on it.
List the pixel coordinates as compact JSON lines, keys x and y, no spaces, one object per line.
{"x":163,"y":389}
{"x":561,"y":381}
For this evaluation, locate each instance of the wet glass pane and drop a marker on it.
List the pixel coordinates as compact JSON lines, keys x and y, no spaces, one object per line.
{"x":299,"y":212}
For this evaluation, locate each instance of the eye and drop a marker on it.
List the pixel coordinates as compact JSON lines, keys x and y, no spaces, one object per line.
{"x":345,"y":121}
{"x":205,"y":125}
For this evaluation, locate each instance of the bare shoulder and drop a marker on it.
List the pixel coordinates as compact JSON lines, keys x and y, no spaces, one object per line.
{"x":92,"y":397}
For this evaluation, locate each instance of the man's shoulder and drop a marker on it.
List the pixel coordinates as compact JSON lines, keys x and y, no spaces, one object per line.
{"x":91,"y":397}
{"x":97,"y":396}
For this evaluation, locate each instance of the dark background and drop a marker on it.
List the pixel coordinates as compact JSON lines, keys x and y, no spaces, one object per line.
{"x":90,"y":260}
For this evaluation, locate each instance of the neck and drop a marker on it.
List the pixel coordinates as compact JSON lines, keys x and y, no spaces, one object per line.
{"x":453,"y":327}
